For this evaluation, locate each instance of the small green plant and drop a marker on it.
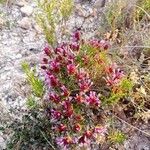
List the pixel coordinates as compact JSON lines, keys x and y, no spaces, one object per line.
{"x":126,"y":85}
{"x":2,"y":1}
{"x":122,"y":90}
{"x":32,"y":132}
{"x":66,"y":8}
{"x":116,"y":137}
{"x":114,"y":14}
{"x":52,"y":14}
{"x":31,"y":103}
{"x":143,"y":7}
{"x":113,"y":99}
{"x":35,"y":82}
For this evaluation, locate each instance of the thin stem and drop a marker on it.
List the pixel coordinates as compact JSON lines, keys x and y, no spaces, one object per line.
{"x":47,"y":140}
{"x":132,"y":126}
{"x":143,"y":10}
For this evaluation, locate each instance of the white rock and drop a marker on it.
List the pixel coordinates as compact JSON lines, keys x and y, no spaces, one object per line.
{"x":27,"y":10}
{"x":2,"y":22}
{"x":25,"y":23}
{"x":21,"y":3}
{"x":18,"y":56}
{"x":38,"y":28}
{"x":2,"y":143}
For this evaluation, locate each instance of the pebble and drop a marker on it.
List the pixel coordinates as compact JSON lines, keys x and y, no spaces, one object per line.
{"x":38,"y":28}
{"x":2,"y":143}
{"x":18,"y":56}
{"x":25,"y":23}
{"x":27,"y":10}
{"x":2,"y":22}
{"x":21,"y":3}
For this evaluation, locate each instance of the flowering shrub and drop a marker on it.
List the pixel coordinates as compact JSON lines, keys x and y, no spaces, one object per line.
{"x":72,"y":112}
{"x":70,"y":98}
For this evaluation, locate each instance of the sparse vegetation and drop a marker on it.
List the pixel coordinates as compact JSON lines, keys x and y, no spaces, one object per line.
{"x":35,"y":82}
{"x":84,"y":83}
{"x":116,"y":137}
{"x":52,"y":13}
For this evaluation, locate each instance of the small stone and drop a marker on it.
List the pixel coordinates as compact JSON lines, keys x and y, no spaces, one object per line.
{"x":25,"y":23}
{"x":38,"y":28}
{"x":27,"y":10}
{"x":2,"y":22}
{"x":2,"y":143}
{"x":18,"y":56}
{"x":99,"y":4}
{"x":21,"y":3}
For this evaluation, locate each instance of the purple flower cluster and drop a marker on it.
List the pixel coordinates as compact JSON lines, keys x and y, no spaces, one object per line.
{"x":113,"y":75}
{"x":69,"y":90}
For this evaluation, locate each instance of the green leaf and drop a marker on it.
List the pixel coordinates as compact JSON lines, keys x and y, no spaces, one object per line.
{"x":31,"y":103}
{"x":36,"y":84}
{"x":126,"y":85}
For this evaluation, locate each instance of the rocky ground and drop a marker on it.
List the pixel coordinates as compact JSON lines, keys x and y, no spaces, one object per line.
{"x":21,"y":40}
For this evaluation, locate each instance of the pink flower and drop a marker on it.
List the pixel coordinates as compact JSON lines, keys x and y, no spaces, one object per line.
{"x":104,"y":44}
{"x":54,"y":97}
{"x":79,"y":98}
{"x":111,"y":69}
{"x":62,"y":51}
{"x":95,"y":43}
{"x":85,"y":85}
{"x":56,"y":114}
{"x":77,"y":36}
{"x":77,"y":127}
{"x":65,"y":91}
{"x":81,"y":75}
{"x":45,"y":60}
{"x":99,"y":44}
{"x":71,"y":69}
{"x":64,"y":142}
{"x":88,"y":134}
{"x":70,"y":58}
{"x":59,"y":141}
{"x":82,"y":139}
{"x":118,"y":74}
{"x":47,"y":51}
{"x":114,"y":75}
{"x":67,"y":140}
{"x":92,"y":99}
{"x":85,"y":60}
{"x":59,"y":50}
{"x":74,"y":46}
{"x":78,"y":118}
{"x":55,"y":66}
{"x":59,"y":58}
{"x":68,"y":109}
{"x":53,"y":81}
{"x":62,"y":128}
{"x":99,"y":129}
{"x":43,"y":67}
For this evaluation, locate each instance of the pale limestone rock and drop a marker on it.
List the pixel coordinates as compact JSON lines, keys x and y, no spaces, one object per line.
{"x":2,"y":22}
{"x":27,"y":10}
{"x":25,"y":23}
{"x":21,"y":3}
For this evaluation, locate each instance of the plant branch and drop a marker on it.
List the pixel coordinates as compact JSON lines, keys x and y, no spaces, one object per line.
{"x":132,"y":126}
{"x":47,"y":140}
